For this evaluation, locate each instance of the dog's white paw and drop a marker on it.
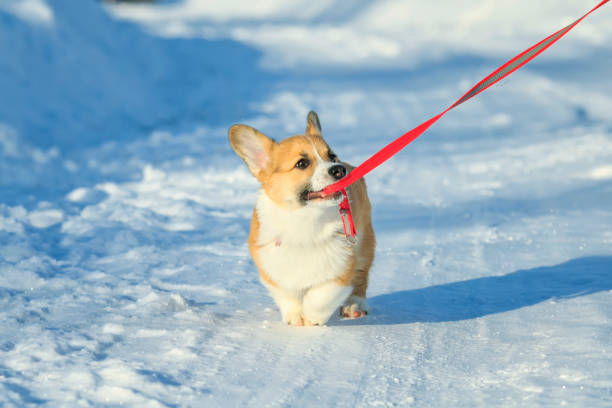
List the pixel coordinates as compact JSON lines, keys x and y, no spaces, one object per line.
{"x":308,"y":322}
{"x":294,"y":319}
{"x":355,"y":307}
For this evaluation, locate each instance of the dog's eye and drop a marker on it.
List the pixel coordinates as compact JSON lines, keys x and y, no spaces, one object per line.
{"x":332,"y":156}
{"x":302,"y":164}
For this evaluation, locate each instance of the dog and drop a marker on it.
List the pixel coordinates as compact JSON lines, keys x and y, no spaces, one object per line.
{"x":297,"y":239}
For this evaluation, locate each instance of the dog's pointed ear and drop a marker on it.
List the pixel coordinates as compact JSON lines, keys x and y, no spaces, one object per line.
{"x":314,"y":126}
{"x":252,"y":146}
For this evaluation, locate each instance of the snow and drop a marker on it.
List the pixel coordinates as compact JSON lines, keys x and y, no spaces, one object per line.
{"x":352,"y":35}
{"x":33,"y":11}
{"x":124,"y":273}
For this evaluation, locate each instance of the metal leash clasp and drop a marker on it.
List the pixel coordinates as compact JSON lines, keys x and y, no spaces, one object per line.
{"x":347,"y":219}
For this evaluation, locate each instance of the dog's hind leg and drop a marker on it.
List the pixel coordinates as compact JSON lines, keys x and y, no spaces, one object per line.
{"x":357,"y":305}
{"x":354,"y":307}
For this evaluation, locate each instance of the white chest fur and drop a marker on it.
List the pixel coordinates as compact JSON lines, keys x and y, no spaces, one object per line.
{"x":312,"y":247}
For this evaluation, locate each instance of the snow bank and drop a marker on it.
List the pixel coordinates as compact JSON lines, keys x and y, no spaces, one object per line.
{"x":85,"y":79}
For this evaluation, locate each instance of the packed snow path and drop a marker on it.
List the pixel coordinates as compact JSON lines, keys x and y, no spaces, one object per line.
{"x":124,"y":272}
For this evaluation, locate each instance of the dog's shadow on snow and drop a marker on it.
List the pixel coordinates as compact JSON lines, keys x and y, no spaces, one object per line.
{"x":495,"y":294}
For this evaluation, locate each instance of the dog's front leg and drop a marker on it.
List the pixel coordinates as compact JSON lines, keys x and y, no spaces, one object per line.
{"x":289,"y":303}
{"x":323,"y":300}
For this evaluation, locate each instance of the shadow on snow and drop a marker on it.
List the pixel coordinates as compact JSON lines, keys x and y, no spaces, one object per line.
{"x":491,"y":295}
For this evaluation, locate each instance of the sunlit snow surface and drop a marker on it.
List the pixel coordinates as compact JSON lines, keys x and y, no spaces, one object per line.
{"x":124,"y":272}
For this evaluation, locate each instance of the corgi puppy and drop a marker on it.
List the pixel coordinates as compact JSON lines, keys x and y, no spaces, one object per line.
{"x":297,"y":239}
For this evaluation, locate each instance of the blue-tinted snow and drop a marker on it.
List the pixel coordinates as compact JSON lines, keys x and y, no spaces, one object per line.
{"x":124,"y":273}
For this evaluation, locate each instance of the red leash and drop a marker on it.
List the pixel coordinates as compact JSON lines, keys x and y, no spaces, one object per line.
{"x":347,"y":218}
{"x":398,"y":144}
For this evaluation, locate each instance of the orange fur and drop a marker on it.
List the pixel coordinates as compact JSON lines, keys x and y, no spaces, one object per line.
{"x":252,"y":245}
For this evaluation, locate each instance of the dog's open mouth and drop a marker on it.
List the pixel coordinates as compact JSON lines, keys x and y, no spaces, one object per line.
{"x":318,"y":195}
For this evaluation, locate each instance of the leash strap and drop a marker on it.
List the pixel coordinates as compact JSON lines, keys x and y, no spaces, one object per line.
{"x":500,"y":73}
{"x":347,"y":218}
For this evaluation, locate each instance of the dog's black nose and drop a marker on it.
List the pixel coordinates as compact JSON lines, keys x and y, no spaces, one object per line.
{"x":337,"y":171}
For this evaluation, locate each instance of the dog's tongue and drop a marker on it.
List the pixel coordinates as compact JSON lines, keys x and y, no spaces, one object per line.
{"x":314,"y":194}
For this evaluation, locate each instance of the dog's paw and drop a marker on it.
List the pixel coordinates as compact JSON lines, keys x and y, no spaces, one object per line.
{"x":294,"y":319}
{"x":354,"y":307}
{"x":308,"y":322}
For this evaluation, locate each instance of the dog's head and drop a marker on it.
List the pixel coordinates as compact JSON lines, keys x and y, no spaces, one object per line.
{"x":294,"y":171}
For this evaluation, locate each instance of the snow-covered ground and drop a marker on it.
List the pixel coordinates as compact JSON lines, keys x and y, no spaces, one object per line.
{"x":124,"y":272}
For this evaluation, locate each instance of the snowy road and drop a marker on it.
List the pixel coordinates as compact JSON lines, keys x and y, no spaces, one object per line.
{"x":124,"y":272}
